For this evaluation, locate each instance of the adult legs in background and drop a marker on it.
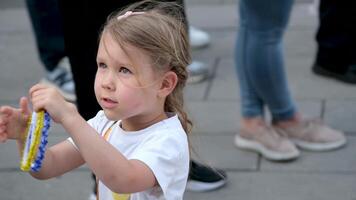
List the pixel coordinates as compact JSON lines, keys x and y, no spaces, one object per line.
{"x":260,"y":69}
{"x":47,"y":26}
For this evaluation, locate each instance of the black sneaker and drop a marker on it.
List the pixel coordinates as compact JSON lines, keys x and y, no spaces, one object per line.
{"x":204,"y":178}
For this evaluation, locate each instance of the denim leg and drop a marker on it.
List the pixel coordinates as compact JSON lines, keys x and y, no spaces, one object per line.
{"x":259,"y":58}
{"x":251,"y":103}
{"x":47,"y":26}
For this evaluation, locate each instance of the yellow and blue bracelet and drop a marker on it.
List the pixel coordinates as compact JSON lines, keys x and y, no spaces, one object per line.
{"x":35,"y":141}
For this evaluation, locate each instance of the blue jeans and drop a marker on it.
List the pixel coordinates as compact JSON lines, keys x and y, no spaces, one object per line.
{"x":259,"y":58}
{"x":47,"y":25}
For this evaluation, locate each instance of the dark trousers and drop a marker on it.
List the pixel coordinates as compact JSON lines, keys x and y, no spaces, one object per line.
{"x":336,"y":36}
{"x":47,"y":26}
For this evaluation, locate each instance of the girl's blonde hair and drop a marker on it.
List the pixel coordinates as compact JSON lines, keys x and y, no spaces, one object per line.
{"x":161,"y":33}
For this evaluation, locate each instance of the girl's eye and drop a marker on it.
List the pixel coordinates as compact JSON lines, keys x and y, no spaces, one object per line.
{"x":124,"y":70}
{"x":102,"y":65}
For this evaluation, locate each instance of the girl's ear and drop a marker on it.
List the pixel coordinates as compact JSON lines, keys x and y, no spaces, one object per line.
{"x":168,"y":84}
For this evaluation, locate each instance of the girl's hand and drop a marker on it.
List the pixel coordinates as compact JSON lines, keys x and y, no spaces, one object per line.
{"x":13,"y":121}
{"x":49,"y":99}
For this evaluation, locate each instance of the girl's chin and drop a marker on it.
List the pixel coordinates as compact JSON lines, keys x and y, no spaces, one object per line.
{"x":112,"y":117}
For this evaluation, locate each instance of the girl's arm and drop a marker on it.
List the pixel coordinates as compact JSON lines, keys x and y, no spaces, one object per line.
{"x":108,"y":164}
{"x":59,"y":159}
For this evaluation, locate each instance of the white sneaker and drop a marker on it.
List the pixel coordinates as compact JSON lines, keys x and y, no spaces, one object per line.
{"x":197,"y":72}
{"x":198,"y":38}
{"x":61,"y":78}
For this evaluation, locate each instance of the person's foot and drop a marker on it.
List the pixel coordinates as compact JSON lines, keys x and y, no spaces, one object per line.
{"x":205,"y":178}
{"x":61,"y":78}
{"x":267,"y":142}
{"x":312,"y":135}
{"x":198,"y":38}
{"x":197,"y":72}
{"x":348,"y":77}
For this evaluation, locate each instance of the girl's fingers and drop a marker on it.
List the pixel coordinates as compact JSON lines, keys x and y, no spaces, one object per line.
{"x":3,"y":121}
{"x":6,"y":110}
{"x":24,"y":106}
{"x":39,"y":92}
{"x":3,"y":135}
{"x":2,"y":129}
{"x":38,"y":104}
{"x":36,"y":88}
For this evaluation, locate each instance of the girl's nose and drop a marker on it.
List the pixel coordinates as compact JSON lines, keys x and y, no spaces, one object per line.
{"x":107,"y":82}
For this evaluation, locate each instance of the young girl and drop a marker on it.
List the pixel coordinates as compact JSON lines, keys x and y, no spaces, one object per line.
{"x":137,"y":144}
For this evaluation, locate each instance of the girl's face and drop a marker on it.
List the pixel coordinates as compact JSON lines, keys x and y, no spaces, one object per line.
{"x":126,"y":86}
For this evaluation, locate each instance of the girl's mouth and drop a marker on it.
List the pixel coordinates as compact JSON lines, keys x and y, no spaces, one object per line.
{"x":108,"y":103}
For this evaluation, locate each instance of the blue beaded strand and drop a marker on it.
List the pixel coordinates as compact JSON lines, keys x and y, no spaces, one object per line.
{"x":36,"y":165}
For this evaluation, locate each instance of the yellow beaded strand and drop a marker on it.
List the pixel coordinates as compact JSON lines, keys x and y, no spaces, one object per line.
{"x":26,"y":164}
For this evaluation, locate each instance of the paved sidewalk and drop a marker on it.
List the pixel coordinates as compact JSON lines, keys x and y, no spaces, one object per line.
{"x":214,"y":107}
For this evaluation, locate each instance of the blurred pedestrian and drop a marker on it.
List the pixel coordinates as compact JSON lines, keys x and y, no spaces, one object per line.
{"x":47,"y":26}
{"x":260,"y":69}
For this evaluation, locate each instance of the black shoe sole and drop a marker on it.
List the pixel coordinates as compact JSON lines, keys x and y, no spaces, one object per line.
{"x":323,"y":72}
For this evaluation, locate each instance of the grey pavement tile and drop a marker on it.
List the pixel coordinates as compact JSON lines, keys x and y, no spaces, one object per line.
{"x":20,"y":66}
{"x":291,"y":186}
{"x":340,"y":161}
{"x":21,"y":186}
{"x":303,"y":17}
{"x":220,"y":152}
{"x":212,"y":16}
{"x":222,"y":45}
{"x":218,"y":117}
{"x":225,"y":85}
{"x":225,"y":16}
{"x":300,"y":42}
{"x":214,"y":117}
{"x":14,"y":20}
{"x":199,"y":2}
{"x":305,"y":85}
{"x":197,"y":91}
{"x":341,"y":114}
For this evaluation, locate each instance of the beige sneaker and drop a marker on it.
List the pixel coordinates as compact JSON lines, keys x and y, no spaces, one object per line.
{"x":268,"y":143}
{"x":314,"y":136}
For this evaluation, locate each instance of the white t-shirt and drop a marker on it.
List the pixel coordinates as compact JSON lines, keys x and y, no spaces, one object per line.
{"x":163,"y":147}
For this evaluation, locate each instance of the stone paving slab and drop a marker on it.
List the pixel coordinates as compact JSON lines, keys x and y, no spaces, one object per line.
{"x":223,"y":16}
{"x":21,"y":186}
{"x":222,"y":117}
{"x":217,"y":117}
{"x":220,"y":152}
{"x":289,"y":185}
{"x":225,"y":85}
{"x":222,"y":45}
{"x":341,"y":115}
{"x":342,"y":161}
